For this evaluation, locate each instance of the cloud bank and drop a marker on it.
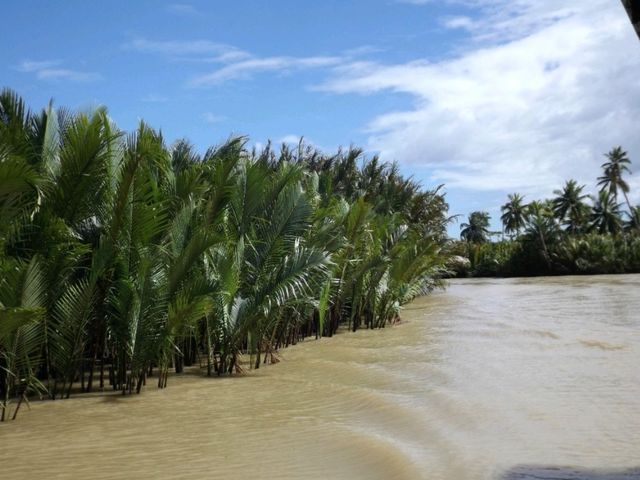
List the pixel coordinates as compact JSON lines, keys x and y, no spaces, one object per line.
{"x":535,"y":95}
{"x":543,"y":89}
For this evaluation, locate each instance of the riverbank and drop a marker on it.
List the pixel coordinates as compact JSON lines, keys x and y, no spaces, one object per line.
{"x":566,"y":255}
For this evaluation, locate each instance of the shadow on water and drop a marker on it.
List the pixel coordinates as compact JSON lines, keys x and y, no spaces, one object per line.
{"x":537,"y":472}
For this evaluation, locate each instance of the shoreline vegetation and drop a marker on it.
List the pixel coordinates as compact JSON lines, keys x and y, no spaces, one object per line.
{"x":122,"y":258}
{"x":572,"y":233}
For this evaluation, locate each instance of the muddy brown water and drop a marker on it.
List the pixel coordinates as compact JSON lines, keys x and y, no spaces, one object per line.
{"x":490,"y":379}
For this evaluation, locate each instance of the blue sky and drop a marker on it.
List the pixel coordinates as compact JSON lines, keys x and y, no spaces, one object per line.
{"x":486,"y":96}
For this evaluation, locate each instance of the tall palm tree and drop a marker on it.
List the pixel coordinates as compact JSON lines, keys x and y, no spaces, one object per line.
{"x":513,"y":214}
{"x":477,"y":228}
{"x":569,"y":207}
{"x":605,"y":216}
{"x":542,"y":227}
{"x":616,"y":165}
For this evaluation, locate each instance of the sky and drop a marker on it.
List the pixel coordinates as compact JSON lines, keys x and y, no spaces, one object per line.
{"x":487,"y":97}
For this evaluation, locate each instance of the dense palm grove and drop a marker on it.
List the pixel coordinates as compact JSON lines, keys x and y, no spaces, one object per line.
{"x":122,"y":259}
{"x":571,"y":233}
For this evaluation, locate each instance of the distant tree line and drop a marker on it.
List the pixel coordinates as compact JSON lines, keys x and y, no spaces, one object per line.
{"x":571,"y":233}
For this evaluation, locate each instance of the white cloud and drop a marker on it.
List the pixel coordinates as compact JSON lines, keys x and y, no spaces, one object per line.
{"x":32,"y":66}
{"x":52,"y":70}
{"x":502,"y":19}
{"x":66,"y":74}
{"x":235,"y":63}
{"x":459,"y":22}
{"x":201,"y":49}
{"x":210,"y":117}
{"x":182,"y":9}
{"x":544,"y":88}
{"x":362,"y":50}
{"x":245,"y":68}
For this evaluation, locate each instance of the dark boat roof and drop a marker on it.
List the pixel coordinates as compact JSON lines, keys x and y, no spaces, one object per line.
{"x":633,"y":9}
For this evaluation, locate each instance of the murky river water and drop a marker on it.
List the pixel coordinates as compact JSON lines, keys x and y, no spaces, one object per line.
{"x":503,"y":379}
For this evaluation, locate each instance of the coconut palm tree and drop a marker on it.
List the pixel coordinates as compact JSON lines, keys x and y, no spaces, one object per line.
{"x":613,"y":169}
{"x":477,"y":228}
{"x":605,"y":216}
{"x":513,"y":214}
{"x":542,"y":227}
{"x":569,"y":207}
{"x":633,"y":222}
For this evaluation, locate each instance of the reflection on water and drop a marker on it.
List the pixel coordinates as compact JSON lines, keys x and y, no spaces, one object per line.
{"x":478,"y":381}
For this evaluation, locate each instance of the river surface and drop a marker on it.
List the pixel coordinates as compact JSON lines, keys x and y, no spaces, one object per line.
{"x":490,"y":379}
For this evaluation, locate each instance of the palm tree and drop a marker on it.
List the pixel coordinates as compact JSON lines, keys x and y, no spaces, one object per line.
{"x":617,"y":163}
{"x":605,"y":216}
{"x":122,"y":258}
{"x":541,"y":226}
{"x":513,"y":214}
{"x":22,"y":333}
{"x":477,"y":228}
{"x":633,"y":223}
{"x":569,"y":207}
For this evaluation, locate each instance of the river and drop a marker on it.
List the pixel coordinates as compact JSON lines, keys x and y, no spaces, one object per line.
{"x":490,"y":379}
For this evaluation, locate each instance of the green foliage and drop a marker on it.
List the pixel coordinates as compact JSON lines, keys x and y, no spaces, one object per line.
{"x":612,"y":180}
{"x":569,"y":207}
{"x":476,"y":230}
{"x":514,"y":214}
{"x":605,"y":215}
{"x":564,"y":235}
{"x":632,"y":224}
{"x":123,"y":258}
